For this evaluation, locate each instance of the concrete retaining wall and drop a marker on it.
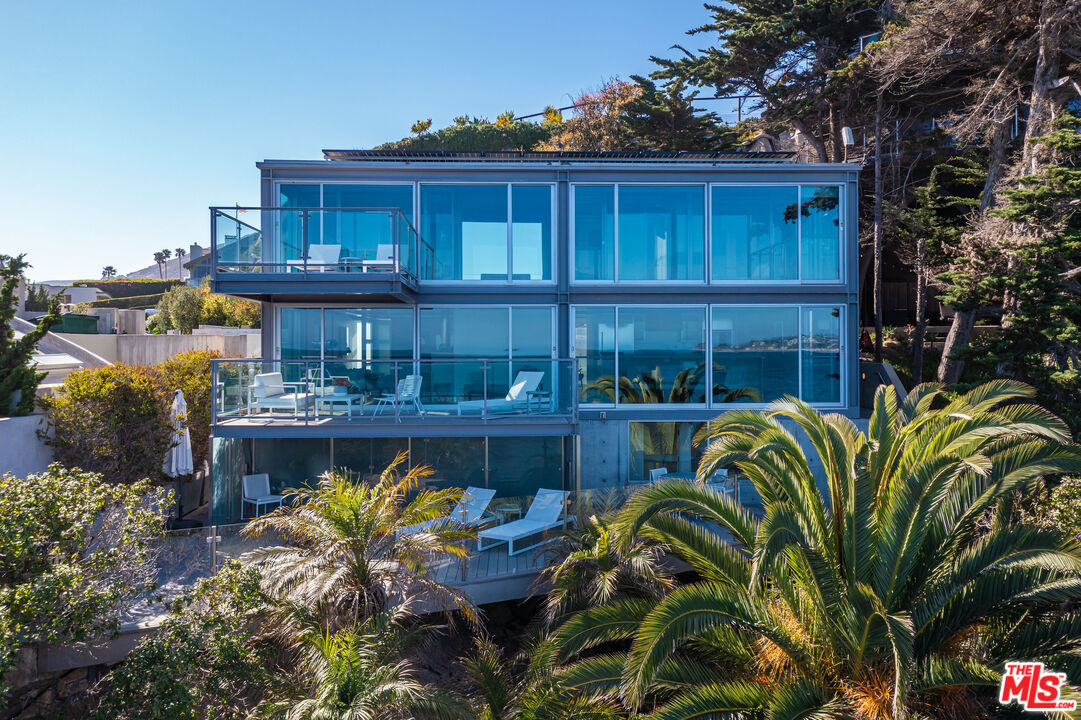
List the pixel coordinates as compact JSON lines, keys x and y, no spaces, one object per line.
{"x":153,"y":349}
{"x":21,"y":451}
{"x":104,"y":346}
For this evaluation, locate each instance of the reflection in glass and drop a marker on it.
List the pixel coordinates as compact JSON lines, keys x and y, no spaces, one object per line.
{"x":661,"y":232}
{"x":297,"y":227}
{"x":595,"y":352}
{"x":519,"y":466}
{"x":820,"y":233}
{"x":291,"y":462}
{"x":466,"y":225}
{"x":822,"y":355}
{"x":755,"y":232}
{"x":365,"y":458}
{"x":665,"y":445}
{"x":375,"y":335}
{"x":594,"y":232}
{"x":755,"y":353}
{"x":365,"y":235}
{"x":462,"y":335}
{"x":457,"y":462}
{"x":662,"y":356}
{"x":531,"y":232}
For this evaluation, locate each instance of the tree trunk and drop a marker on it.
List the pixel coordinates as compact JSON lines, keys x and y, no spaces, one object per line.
{"x":921,"y":310}
{"x":818,"y":145}
{"x":878,"y":229}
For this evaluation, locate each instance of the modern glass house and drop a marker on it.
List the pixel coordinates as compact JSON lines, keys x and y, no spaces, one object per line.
{"x":527,"y":320}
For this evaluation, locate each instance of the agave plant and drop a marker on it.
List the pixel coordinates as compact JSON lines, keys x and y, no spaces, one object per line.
{"x":348,"y":551}
{"x":896,"y":588}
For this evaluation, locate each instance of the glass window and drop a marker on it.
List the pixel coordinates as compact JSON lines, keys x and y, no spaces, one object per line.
{"x":291,"y":462}
{"x":820,"y":233}
{"x":301,"y":333}
{"x":594,"y":232}
{"x":755,"y":353}
{"x":595,"y":353}
{"x":519,"y":466}
{"x":298,"y":228}
{"x":361,"y":346}
{"x":663,"y":445}
{"x":661,"y":232}
{"x":755,"y":232}
{"x":822,"y":355}
{"x":365,"y":235}
{"x":453,"y":343}
{"x":662,"y":355}
{"x":531,"y":232}
{"x":367,"y":457}
{"x":466,"y":226}
{"x":457,"y":462}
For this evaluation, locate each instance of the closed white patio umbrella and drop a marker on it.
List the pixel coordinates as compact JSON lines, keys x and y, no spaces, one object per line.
{"x":178,"y":460}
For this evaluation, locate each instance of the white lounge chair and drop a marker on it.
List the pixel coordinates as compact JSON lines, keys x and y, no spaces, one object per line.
{"x":384,"y":259}
{"x":320,"y":257}
{"x":471,"y":510}
{"x":408,"y":393}
{"x":269,"y":392}
{"x":517,"y":398}
{"x":257,"y":493}
{"x":545,"y":513}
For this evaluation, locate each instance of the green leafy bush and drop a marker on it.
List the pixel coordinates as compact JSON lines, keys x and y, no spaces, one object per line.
{"x":186,"y":308}
{"x":74,"y":551}
{"x":132,"y":302}
{"x":115,"y":420}
{"x":128,"y":287}
{"x":182,"y":307}
{"x":203,"y":662}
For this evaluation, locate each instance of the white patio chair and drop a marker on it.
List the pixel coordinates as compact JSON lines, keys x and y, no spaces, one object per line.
{"x":269,"y":392}
{"x":320,"y":257}
{"x":517,"y":398}
{"x":545,"y":513}
{"x":471,"y":510}
{"x":727,"y":482}
{"x":408,"y":393}
{"x":384,"y":259}
{"x":256,"y":492}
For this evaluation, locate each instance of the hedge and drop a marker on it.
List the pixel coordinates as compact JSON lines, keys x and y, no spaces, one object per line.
{"x":133,"y":302}
{"x":127,"y":287}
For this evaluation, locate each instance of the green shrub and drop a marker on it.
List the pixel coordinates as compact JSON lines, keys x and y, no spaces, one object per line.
{"x":182,"y":307}
{"x":115,"y":420}
{"x":128,"y":287}
{"x":132,"y":302}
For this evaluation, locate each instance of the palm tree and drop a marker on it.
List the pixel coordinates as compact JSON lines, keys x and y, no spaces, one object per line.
{"x":502,"y":691}
{"x":180,"y":253}
{"x":897,"y":589}
{"x":358,"y":673}
{"x":347,"y":556}
{"x":159,"y":258}
{"x":595,"y":567}
{"x":108,"y":272}
{"x":166,"y":253}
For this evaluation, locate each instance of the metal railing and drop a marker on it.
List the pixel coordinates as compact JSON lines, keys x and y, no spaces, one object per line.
{"x":432,"y":390}
{"x":317,"y":240}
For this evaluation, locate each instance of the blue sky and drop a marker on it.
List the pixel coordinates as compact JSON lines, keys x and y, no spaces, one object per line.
{"x":122,"y":122}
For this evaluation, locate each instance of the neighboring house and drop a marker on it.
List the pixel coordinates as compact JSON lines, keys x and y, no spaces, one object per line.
{"x":82,"y":293}
{"x":197,"y":266}
{"x":174,"y":268}
{"x":527,"y":320}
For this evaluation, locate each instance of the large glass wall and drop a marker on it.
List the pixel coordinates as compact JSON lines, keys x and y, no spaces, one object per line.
{"x":366,"y":458}
{"x":291,"y":462}
{"x":755,"y":232}
{"x":820,"y":232}
{"x":662,"y":354}
{"x":635,"y":354}
{"x":467,"y":227}
{"x":519,"y":466}
{"x":298,"y":227}
{"x":755,"y":353}
{"x":366,"y":235}
{"x":665,"y":445}
{"x":661,"y":232}
{"x":594,"y":232}
{"x":821,"y":355}
{"x":361,"y":346}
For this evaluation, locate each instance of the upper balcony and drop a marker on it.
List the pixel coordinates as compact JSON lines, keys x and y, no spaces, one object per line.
{"x":316,"y":253}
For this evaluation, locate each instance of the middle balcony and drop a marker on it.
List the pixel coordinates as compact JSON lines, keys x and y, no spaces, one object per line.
{"x":280,"y":253}
{"x":385,"y":397}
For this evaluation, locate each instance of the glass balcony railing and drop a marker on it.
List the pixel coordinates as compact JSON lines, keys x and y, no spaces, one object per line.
{"x":317,"y":240}
{"x":443,"y":390}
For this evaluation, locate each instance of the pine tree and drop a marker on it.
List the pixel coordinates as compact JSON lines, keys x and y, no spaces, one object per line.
{"x":666,"y":119}
{"x":18,"y":378}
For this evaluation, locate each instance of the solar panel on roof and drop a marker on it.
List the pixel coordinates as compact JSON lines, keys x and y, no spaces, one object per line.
{"x":646,"y":155}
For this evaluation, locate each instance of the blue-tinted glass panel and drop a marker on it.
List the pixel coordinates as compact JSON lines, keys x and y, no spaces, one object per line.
{"x":366,"y":349}
{"x":820,"y":229}
{"x":531,"y":232}
{"x":291,"y":462}
{"x":519,"y":466}
{"x":301,"y":333}
{"x":466,"y":226}
{"x":369,"y":235}
{"x":457,"y":462}
{"x":665,"y":445}
{"x":755,"y":353}
{"x":822,"y":355}
{"x":661,"y":232}
{"x":755,"y":232}
{"x":298,"y":229}
{"x":459,"y":343}
{"x":367,"y":457}
{"x":595,"y":353}
{"x":594,"y":232}
{"x":662,"y":355}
